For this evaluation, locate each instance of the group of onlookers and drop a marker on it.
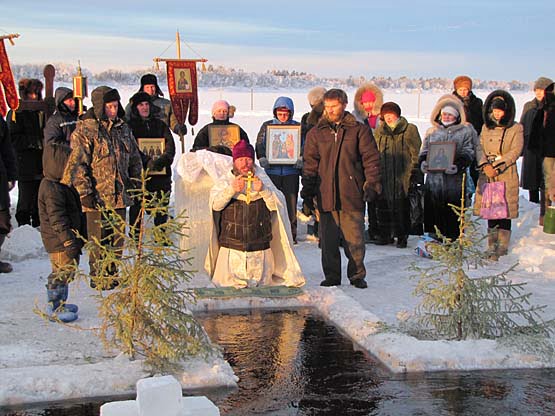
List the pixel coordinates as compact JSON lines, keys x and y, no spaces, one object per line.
{"x":358,"y":170}
{"x":69,"y":167}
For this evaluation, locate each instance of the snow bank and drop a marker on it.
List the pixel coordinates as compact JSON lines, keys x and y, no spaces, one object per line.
{"x":23,"y":243}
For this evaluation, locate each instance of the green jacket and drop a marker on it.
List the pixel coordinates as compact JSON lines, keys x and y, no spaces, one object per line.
{"x":398,"y":156}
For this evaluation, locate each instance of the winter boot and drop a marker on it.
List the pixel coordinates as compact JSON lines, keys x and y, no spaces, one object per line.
{"x":503,"y":242}
{"x":70,"y":307}
{"x":55,"y":309}
{"x":493,"y":237}
{"x":4,"y":267}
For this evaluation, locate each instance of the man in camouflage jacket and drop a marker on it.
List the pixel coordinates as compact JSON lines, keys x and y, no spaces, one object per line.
{"x":103,"y":164}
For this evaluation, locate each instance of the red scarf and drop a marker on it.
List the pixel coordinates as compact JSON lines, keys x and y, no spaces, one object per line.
{"x":372,"y":120}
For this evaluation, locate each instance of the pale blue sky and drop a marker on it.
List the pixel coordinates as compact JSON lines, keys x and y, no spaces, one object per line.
{"x":502,"y":40}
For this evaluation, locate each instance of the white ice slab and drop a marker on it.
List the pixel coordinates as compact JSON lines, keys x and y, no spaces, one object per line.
{"x":198,"y":406}
{"x":157,"y":396}
{"x":123,"y":408}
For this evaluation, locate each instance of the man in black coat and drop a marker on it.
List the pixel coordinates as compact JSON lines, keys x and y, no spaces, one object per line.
{"x":61,"y":217}
{"x":531,"y":175}
{"x":26,"y":131}
{"x":144,"y":125}
{"x":62,"y":123}
{"x":8,"y":174}
{"x":473,"y":111}
{"x":342,"y":171}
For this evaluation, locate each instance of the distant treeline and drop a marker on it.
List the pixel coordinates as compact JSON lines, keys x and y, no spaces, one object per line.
{"x":222,"y":77}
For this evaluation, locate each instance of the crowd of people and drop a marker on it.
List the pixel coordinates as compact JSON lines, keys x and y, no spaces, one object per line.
{"x":365,"y":174}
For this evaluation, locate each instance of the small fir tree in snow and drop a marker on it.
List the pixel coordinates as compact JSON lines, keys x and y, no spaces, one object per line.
{"x":458,"y":306}
{"x":148,"y":315}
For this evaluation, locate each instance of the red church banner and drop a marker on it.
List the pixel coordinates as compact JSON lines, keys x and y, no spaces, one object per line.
{"x":8,"y":92}
{"x":182,"y":85}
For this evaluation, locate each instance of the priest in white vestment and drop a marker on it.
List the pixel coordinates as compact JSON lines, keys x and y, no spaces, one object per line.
{"x":250,"y":243}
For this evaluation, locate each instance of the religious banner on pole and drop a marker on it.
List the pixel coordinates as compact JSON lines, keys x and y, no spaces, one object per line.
{"x":8,"y":91}
{"x":182,"y":85}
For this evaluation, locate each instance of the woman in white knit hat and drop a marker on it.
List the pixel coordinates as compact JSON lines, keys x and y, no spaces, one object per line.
{"x":444,"y":186}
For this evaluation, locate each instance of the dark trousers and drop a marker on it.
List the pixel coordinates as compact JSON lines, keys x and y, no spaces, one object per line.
{"x":104,"y":234}
{"x":393,"y":217}
{"x":348,"y":226}
{"x":289,"y":186}
{"x":27,"y":211}
{"x":372,"y":210}
{"x":5,"y":223}
{"x":158,"y":218}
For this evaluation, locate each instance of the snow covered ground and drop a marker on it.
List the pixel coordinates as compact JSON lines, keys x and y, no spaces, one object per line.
{"x":42,"y":361}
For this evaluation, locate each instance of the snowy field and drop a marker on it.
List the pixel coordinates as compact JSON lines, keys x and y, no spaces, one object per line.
{"x":42,"y":361}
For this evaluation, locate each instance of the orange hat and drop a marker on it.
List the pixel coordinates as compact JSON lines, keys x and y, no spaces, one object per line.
{"x":462,"y":81}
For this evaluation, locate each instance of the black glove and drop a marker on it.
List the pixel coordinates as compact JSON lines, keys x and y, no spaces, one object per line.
{"x":180,"y":129}
{"x":416,"y":177}
{"x":371,"y":191}
{"x":72,"y":248}
{"x":308,"y":206}
{"x":89,"y":201}
{"x":155,"y":164}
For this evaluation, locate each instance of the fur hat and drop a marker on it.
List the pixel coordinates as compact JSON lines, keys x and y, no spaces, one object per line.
{"x":140,"y":97}
{"x":462,"y":81}
{"x":450,"y":110}
{"x":219,"y":105}
{"x":150,"y":79}
{"x":316,"y":95}
{"x":498,"y":103}
{"x":102,"y":95}
{"x":242,"y":149}
{"x":542,"y":83}
{"x":28,"y":86}
{"x":368,"y":96}
{"x":390,"y":107}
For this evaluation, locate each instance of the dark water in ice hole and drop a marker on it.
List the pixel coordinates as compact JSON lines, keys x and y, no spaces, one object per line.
{"x":294,"y":363}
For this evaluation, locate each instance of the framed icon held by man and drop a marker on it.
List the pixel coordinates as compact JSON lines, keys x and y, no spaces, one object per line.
{"x":153,"y":148}
{"x":283,"y":143}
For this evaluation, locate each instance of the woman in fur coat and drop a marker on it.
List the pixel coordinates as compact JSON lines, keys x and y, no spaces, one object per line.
{"x":444,"y":187}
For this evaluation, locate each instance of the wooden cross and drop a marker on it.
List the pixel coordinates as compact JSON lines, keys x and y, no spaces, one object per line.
{"x":250,"y":179}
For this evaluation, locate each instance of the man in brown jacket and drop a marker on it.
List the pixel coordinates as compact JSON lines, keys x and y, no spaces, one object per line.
{"x":342,"y":171}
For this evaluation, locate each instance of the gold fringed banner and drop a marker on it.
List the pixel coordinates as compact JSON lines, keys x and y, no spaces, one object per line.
{"x":8,"y":92}
{"x":182,"y":85}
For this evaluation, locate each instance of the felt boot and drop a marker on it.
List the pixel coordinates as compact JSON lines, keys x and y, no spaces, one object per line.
{"x":493,"y":236}
{"x":68,"y":306}
{"x":503,"y":242}
{"x":4,"y":267}
{"x":55,"y":309}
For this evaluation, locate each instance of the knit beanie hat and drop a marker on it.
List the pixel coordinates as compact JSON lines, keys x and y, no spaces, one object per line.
{"x":462,"y":81}
{"x":450,"y":110}
{"x":316,"y":95}
{"x":219,"y":105}
{"x":242,"y":149}
{"x":542,"y":83}
{"x":498,"y":103}
{"x":368,"y":96}
{"x":390,"y":107}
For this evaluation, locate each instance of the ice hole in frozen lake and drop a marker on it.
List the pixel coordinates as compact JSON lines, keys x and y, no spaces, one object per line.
{"x":292,"y":362}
